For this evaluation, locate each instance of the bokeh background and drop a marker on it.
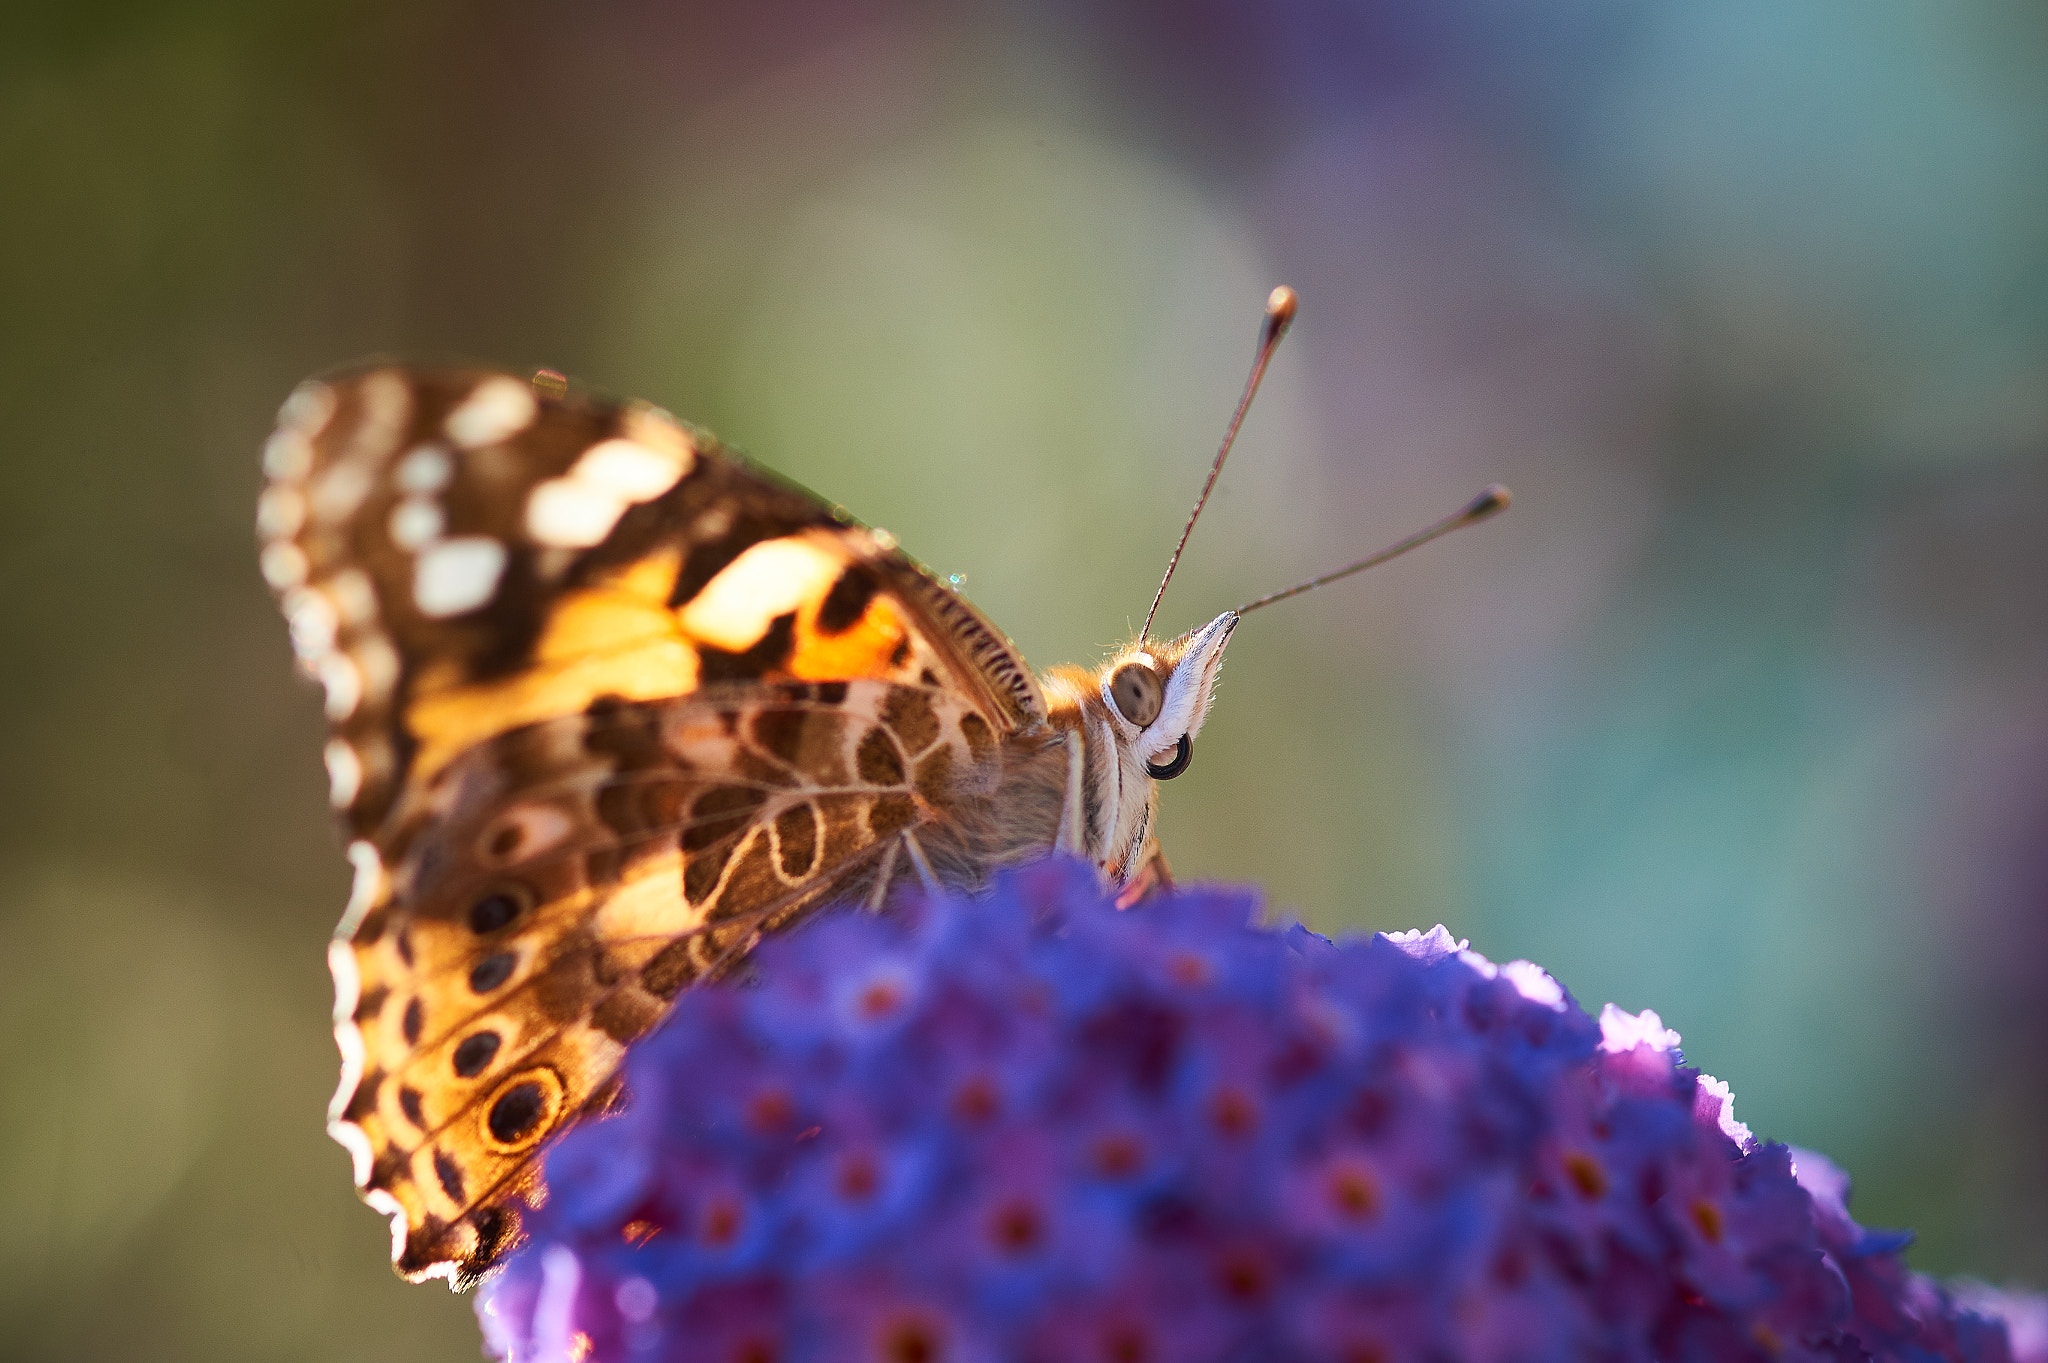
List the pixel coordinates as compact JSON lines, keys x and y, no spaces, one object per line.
{"x":1741,"y":713}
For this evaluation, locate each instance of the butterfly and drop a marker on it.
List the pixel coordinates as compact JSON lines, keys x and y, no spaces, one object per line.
{"x":607,"y":703}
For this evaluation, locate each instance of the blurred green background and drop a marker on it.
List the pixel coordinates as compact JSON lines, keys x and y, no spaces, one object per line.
{"x":1741,"y":714}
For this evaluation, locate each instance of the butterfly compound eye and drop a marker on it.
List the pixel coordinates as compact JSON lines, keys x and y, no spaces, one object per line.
{"x":1136,"y":690}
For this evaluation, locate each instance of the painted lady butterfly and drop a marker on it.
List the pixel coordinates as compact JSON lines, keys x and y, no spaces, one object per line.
{"x":607,"y":703}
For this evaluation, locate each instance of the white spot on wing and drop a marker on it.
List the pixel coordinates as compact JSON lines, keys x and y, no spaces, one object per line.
{"x":310,"y":407}
{"x":416,"y":522}
{"x":457,"y":575}
{"x":344,"y":685}
{"x":363,"y":893}
{"x":629,"y":471}
{"x":425,"y":468}
{"x":280,"y":511}
{"x":341,"y":961}
{"x":496,"y":409}
{"x":580,"y":508}
{"x":348,"y":984}
{"x":344,"y":773}
{"x":736,"y":607}
{"x":350,"y":1137}
{"x":384,"y":1204}
{"x":283,"y":565}
{"x":287,"y":455}
{"x":312,"y":620}
{"x":565,"y":513}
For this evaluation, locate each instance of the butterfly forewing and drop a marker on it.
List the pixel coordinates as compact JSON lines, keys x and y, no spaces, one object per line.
{"x":605,"y":704}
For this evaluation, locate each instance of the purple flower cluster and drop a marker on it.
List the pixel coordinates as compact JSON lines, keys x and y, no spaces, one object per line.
{"x":1031,"y":1127}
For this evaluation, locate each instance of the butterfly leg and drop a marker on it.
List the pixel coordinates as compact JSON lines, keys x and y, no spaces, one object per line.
{"x":1072,"y":835}
{"x":1152,"y":878}
{"x":917,"y":859}
{"x":880,"y":893}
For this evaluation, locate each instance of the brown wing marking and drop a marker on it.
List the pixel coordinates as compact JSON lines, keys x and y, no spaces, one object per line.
{"x":571,"y":877}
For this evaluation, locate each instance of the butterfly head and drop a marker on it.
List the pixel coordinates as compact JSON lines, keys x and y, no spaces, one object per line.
{"x":1158,"y":693}
{"x":1128,"y":725}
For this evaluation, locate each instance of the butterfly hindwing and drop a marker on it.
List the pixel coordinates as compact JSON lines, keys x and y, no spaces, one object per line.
{"x":578,"y":874}
{"x":605,"y":703}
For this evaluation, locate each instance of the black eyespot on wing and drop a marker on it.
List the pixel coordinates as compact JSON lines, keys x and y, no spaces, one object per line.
{"x":848,"y":600}
{"x":1183,"y":753}
{"x":492,"y":912}
{"x":474,"y":1052}
{"x":492,"y":971}
{"x":409,"y":1102}
{"x":514,"y":1115}
{"x":450,"y":1175}
{"x":415,"y":1018}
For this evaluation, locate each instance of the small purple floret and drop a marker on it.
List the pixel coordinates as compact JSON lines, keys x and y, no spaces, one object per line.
{"x":1030,"y":1127}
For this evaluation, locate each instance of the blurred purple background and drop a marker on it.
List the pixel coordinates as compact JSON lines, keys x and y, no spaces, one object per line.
{"x":1740,"y":714}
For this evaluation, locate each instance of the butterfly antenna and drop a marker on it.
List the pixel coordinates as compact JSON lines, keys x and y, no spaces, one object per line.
{"x":1487,"y":504}
{"x":1280,"y":306}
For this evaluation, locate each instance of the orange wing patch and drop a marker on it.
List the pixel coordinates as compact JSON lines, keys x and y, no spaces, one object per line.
{"x":804,"y":607}
{"x":839,"y":627}
{"x":876,"y":643}
{"x":618,"y":637}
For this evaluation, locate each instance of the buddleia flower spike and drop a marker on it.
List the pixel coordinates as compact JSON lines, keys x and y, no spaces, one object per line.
{"x":1033,"y":1127}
